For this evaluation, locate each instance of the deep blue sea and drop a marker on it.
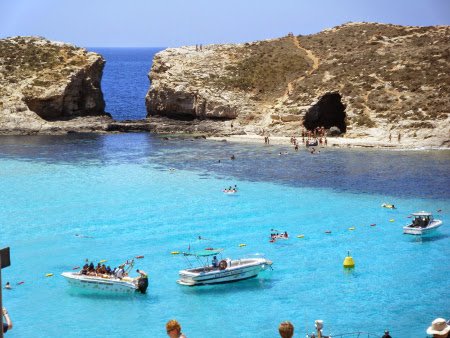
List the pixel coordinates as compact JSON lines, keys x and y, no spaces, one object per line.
{"x":125,"y":80}
{"x":67,"y":198}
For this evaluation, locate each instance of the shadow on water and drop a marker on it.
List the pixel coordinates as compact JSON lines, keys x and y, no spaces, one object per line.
{"x":352,"y":170}
{"x":427,"y":239}
{"x":105,"y":295}
{"x":252,"y":284}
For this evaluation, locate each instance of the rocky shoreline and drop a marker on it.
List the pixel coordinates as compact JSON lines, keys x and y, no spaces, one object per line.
{"x":367,"y":80}
{"x":370,"y":80}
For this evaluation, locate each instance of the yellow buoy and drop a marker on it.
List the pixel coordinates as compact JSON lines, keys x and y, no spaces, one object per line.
{"x":241,"y":245}
{"x":103,"y":261}
{"x":392,"y":220}
{"x":352,"y":228}
{"x":349,"y":262}
{"x":175,"y":252}
{"x":300,"y":236}
{"x":48,"y":274}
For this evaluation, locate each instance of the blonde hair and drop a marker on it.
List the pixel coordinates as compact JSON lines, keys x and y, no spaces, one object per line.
{"x":286,"y":329}
{"x":172,"y":325}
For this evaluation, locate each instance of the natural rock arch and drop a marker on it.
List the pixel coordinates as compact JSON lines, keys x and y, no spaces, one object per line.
{"x":328,"y":112}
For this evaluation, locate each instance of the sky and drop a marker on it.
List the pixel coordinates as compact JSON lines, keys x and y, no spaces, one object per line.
{"x":173,"y":23}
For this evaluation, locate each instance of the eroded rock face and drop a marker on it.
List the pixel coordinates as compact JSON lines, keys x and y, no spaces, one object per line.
{"x":390,"y":79}
{"x":328,"y":112}
{"x":45,"y":85}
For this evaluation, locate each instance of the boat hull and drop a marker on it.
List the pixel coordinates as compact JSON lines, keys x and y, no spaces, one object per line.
{"x":237,"y":271}
{"x":100,"y":284}
{"x":418,"y":231}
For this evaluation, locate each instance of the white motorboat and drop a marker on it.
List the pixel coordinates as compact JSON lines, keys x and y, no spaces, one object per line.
{"x":226,"y":271}
{"x":423,"y":223}
{"x":126,"y":284}
{"x":104,"y":282}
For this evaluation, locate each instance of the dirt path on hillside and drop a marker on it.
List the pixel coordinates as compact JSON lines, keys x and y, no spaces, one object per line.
{"x":315,"y":64}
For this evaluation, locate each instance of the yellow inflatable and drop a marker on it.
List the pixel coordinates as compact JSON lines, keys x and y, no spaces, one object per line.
{"x":48,"y":275}
{"x":241,"y":245}
{"x":175,"y":252}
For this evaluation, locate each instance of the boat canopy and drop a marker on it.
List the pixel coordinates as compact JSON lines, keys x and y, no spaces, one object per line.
{"x":203,"y":253}
{"x":421,"y":213}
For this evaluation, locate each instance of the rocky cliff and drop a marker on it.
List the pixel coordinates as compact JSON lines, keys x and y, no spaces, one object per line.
{"x":367,"y":79}
{"x":51,"y":87}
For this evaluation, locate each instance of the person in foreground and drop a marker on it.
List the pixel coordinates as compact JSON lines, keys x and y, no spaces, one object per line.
{"x":286,"y":329}
{"x":386,"y":334}
{"x":173,"y":329}
{"x":439,"y":328}
{"x":7,"y":324}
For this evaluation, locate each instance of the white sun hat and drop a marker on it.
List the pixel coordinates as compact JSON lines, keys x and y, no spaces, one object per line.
{"x":438,"y":326}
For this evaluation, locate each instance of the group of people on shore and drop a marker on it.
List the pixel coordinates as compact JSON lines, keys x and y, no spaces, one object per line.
{"x":318,"y":135}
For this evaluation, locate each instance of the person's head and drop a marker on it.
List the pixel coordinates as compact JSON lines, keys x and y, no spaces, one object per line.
{"x":214,"y":257}
{"x":439,"y":328}
{"x":286,"y":329}
{"x":173,"y":328}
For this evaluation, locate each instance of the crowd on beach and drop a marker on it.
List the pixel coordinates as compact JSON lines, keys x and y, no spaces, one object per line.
{"x":316,"y":136}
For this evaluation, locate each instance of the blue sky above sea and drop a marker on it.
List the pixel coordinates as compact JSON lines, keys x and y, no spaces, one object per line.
{"x":175,"y":23}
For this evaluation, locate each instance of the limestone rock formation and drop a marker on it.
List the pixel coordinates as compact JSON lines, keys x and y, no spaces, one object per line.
{"x":49,"y":87}
{"x":367,"y":79}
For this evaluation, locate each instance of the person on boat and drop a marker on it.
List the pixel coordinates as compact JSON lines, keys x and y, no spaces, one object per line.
{"x":7,"y":323}
{"x":173,"y":329}
{"x":286,"y":329}
{"x":108,"y":270}
{"x":120,"y":272}
{"x":91,"y":267}
{"x":215,"y":262}
{"x":386,"y":334}
{"x":142,"y":281}
{"x":439,"y":328}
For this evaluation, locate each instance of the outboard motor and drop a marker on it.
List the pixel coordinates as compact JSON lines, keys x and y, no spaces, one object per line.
{"x":142,"y":284}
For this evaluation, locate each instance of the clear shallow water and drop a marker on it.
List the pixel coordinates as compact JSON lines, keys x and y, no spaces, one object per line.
{"x":119,"y":190}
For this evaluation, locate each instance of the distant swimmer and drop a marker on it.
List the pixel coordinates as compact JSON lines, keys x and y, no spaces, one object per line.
{"x":388,"y":206}
{"x":8,"y":286}
{"x":83,"y":236}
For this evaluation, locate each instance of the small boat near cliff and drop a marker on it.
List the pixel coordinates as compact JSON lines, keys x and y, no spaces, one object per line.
{"x":226,"y":271}
{"x":422,"y":224}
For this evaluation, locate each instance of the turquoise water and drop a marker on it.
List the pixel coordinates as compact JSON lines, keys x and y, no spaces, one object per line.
{"x":119,"y":190}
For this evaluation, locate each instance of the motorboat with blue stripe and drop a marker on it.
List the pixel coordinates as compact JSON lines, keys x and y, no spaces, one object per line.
{"x":223,"y":271}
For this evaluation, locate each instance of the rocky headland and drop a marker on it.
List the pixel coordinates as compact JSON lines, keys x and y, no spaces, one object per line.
{"x":369,"y":80}
{"x":51,"y":87}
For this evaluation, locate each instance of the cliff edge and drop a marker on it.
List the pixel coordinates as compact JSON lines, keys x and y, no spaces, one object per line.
{"x":369,"y":80}
{"x":49,"y":87}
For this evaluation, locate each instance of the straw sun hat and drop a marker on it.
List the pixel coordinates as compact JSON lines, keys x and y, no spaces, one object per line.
{"x":438,"y":326}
